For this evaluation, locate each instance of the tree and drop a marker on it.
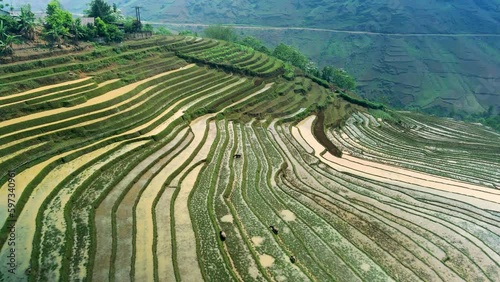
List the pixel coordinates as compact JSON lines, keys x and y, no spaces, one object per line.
{"x":114,"y":34}
{"x":57,"y":34}
{"x":57,"y":23}
{"x":148,"y":27}
{"x":26,"y":22}
{"x":312,"y":69}
{"x":255,"y":44}
{"x":188,"y":33}
{"x":163,"y":31}
{"x":3,"y":30}
{"x":77,"y":31}
{"x":101,"y":27}
{"x":9,"y":23}
{"x":291,"y":55}
{"x":132,"y":25}
{"x":6,"y":44}
{"x":339,"y":77}
{"x":101,"y":9}
{"x":221,"y":32}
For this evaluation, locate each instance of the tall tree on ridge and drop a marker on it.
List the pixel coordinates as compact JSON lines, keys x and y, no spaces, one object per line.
{"x":100,"y":9}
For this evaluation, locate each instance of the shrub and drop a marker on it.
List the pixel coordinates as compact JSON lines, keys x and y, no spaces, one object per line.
{"x":221,"y":32}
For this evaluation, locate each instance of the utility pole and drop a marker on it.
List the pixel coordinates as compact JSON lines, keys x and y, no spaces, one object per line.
{"x":138,"y":13}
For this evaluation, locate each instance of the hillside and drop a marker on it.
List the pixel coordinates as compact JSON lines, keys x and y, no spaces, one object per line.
{"x":185,"y":158}
{"x":440,"y":75}
{"x":402,"y":16}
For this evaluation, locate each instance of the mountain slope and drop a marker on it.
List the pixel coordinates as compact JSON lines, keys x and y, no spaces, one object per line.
{"x":439,"y":75}
{"x":132,"y":163}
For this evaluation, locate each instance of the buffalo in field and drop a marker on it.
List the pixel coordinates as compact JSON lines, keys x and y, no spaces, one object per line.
{"x":274,"y":229}
{"x":222,"y":236}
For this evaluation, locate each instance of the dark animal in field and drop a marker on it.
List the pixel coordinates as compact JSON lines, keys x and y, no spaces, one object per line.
{"x":274,"y":229}
{"x":293,"y":259}
{"x":237,"y":156}
{"x":222,"y":236}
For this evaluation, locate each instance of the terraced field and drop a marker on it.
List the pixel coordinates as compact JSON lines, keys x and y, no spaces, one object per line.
{"x":130,"y":170}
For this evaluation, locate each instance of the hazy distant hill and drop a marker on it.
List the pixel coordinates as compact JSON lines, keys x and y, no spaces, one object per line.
{"x":460,"y":73}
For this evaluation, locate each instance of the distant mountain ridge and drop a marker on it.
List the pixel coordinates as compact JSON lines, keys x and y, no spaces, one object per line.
{"x":391,"y":16}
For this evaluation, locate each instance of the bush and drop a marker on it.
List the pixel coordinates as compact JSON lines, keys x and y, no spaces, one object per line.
{"x":339,"y":77}
{"x":162,"y":31}
{"x":221,"y":32}
{"x":291,"y":55}
{"x":255,"y":44}
{"x":114,"y":34}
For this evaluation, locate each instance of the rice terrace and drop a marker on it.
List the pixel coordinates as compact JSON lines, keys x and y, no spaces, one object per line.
{"x":182,"y":158}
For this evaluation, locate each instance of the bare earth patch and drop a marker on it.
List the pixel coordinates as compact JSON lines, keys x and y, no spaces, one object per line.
{"x":227,"y":218}
{"x":257,"y":240}
{"x":287,"y":215}
{"x":266,"y":260}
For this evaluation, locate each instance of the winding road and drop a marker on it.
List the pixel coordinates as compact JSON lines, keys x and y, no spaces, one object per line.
{"x":333,"y":30}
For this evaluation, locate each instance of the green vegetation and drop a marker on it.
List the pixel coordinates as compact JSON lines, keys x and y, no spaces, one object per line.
{"x":61,"y":29}
{"x":405,"y":72}
{"x":220,"y":32}
{"x":290,"y":55}
{"x":338,"y":77}
{"x":101,"y":9}
{"x":105,"y":138}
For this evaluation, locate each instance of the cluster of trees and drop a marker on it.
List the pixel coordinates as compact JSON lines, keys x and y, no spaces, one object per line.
{"x":59,"y":27}
{"x":288,"y":54}
{"x":11,"y":28}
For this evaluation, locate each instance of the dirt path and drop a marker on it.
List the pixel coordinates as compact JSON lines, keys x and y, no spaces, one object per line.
{"x":336,"y":30}
{"x":26,"y":222}
{"x":164,"y":242}
{"x":44,"y":88}
{"x":185,"y":237}
{"x":477,"y":195}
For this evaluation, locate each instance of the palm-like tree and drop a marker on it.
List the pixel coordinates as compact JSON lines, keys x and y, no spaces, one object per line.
{"x":26,"y":22}
{"x":6,"y":44}
{"x":56,"y":35}
{"x":3,"y":31}
{"x":76,"y":32}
